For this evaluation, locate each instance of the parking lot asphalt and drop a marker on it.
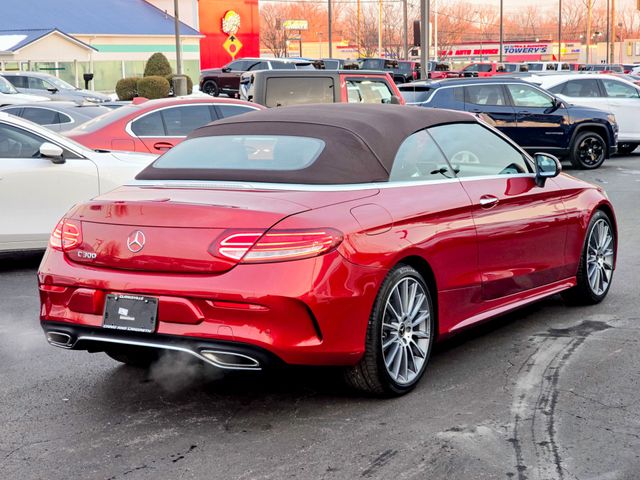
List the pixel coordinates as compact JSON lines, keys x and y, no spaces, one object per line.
{"x":546,"y":392}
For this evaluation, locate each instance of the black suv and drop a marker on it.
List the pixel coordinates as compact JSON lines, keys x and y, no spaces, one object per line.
{"x":215,"y":81}
{"x":531,"y":116}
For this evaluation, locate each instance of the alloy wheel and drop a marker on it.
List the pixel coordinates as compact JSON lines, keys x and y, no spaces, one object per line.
{"x":600,"y":257}
{"x":590,"y":151}
{"x":406,"y":331}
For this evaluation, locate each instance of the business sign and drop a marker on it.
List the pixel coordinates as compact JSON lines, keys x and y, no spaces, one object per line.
{"x":533,"y":49}
{"x":295,"y":25}
{"x":527,"y":49}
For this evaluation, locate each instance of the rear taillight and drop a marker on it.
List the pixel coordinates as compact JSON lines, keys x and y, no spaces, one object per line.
{"x":66,"y":235}
{"x":275,"y":245}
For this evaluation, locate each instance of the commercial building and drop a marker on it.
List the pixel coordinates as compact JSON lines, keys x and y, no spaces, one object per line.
{"x":113,"y":38}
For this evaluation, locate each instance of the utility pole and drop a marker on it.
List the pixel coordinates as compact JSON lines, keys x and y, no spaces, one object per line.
{"x":404,"y":29}
{"x":380,"y":28}
{"x":359,"y":39}
{"x":588,"y":59}
{"x":435,"y":30}
{"x":176,"y":17}
{"x":613,"y":33}
{"x":608,"y":28}
{"x":424,"y":41}
{"x":501,"y":28}
{"x":330,"y":35}
{"x":559,"y":30}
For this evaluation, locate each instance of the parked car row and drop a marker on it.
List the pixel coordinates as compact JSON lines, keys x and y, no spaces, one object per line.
{"x":536,"y":120}
{"x":50,"y":87}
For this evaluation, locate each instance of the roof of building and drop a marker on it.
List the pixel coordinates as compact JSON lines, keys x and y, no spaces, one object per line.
{"x":101,"y":17}
{"x":360,"y":141}
{"x":14,"y":40}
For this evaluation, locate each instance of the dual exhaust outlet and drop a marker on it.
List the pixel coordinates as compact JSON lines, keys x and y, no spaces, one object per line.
{"x":223,"y":359}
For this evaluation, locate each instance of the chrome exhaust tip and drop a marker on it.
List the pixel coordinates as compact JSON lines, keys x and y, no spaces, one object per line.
{"x":230,"y":360}
{"x":60,"y":339}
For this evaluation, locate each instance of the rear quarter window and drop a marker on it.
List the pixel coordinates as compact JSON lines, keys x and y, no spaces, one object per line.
{"x":300,"y":90}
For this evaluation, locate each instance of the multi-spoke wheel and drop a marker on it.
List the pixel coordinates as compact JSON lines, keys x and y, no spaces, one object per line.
{"x":597,"y":262}
{"x":399,"y":336}
{"x":588,"y":151}
{"x":600,"y":256}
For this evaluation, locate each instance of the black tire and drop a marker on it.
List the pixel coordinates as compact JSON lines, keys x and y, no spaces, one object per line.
{"x":626,"y":148}
{"x":583,"y":293}
{"x":210,"y":87}
{"x":370,"y":375}
{"x":588,"y":151}
{"x":139,"y":357}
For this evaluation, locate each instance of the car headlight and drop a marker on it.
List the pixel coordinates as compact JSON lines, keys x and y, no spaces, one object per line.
{"x":612,"y":118}
{"x":94,"y":99}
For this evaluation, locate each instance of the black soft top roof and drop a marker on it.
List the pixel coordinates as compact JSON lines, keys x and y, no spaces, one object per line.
{"x":361,"y":141}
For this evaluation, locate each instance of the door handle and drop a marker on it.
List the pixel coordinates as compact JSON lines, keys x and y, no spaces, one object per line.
{"x":163,"y":146}
{"x":524,"y":112}
{"x":488,"y":201}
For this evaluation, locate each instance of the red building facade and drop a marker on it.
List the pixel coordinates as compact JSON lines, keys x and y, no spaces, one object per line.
{"x":231,"y":29}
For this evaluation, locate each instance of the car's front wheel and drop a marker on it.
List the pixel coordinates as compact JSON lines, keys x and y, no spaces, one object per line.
{"x":626,"y":148}
{"x":588,"y":151}
{"x":211,"y":88}
{"x":399,"y":336}
{"x":595,"y":270}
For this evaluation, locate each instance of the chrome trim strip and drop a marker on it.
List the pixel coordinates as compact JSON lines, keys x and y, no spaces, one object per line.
{"x":160,"y":346}
{"x":219,"y":185}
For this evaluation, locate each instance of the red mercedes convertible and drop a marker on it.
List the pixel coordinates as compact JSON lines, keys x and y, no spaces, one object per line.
{"x":346,"y":235}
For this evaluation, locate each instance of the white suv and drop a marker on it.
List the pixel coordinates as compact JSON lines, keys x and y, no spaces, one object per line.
{"x":606,"y":92}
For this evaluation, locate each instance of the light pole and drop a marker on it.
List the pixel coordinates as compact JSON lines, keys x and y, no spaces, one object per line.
{"x":405,"y":29}
{"x":435,"y":30}
{"x":176,"y":17}
{"x":380,"y":28}
{"x":502,"y":28}
{"x":560,"y":30}
{"x":330,"y":37}
{"x":424,"y":41}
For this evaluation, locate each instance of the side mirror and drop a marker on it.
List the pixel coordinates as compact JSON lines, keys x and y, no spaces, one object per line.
{"x":225,"y":69}
{"x":52,"y":90}
{"x":52,"y":152}
{"x":547,"y":166}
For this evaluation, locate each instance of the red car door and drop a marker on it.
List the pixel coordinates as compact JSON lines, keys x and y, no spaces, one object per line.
{"x":521,"y":228}
{"x":163,"y":129}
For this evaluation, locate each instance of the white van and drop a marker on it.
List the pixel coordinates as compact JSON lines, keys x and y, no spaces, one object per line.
{"x":548,"y":66}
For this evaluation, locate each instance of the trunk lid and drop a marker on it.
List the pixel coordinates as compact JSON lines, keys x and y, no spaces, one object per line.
{"x":172,"y":229}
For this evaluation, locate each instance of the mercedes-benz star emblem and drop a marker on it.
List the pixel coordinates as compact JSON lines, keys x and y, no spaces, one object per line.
{"x":135,"y":241}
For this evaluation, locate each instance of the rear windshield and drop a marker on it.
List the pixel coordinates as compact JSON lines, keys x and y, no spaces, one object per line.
{"x":243,"y":152}
{"x":415,"y":94}
{"x":102,"y":121}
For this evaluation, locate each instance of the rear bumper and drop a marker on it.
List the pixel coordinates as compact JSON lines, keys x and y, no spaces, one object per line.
{"x":221,"y":354}
{"x":306,"y":312}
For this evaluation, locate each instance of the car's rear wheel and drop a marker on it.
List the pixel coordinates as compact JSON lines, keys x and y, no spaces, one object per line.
{"x":211,"y":88}
{"x":588,"y":151}
{"x":139,"y":357}
{"x":595,"y":271}
{"x":626,"y":148}
{"x":399,"y":336}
